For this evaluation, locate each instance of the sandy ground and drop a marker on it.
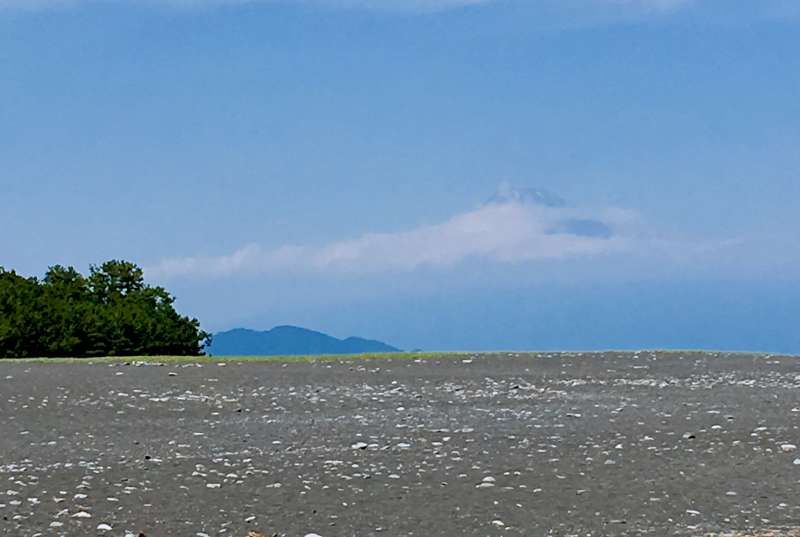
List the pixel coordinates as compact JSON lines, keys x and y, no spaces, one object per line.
{"x":535,"y":445}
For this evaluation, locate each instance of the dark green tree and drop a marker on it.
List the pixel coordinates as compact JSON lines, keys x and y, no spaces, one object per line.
{"x":21,"y":315}
{"x":111,"y":312}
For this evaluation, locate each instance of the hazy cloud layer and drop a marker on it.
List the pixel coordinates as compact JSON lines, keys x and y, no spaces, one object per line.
{"x":501,"y":231}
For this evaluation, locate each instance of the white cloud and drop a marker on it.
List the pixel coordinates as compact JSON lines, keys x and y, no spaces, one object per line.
{"x":502,"y":232}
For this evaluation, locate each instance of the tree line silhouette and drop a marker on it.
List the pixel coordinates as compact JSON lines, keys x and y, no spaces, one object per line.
{"x":110,"y":312}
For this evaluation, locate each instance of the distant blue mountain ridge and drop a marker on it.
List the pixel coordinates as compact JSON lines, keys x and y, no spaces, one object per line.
{"x":289,"y":340}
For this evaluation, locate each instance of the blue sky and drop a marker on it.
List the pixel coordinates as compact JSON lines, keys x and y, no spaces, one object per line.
{"x":330,"y":163}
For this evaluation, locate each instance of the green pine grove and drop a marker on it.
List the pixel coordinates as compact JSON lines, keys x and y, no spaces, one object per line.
{"x":110,"y":312}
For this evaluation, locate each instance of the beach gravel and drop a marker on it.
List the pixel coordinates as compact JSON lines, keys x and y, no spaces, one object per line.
{"x":547,"y":444}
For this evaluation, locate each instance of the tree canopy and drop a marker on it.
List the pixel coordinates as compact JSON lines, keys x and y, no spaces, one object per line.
{"x":110,"y":312}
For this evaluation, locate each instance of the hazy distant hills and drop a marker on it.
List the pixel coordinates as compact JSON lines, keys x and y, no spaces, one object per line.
{"x":289,"y":340}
